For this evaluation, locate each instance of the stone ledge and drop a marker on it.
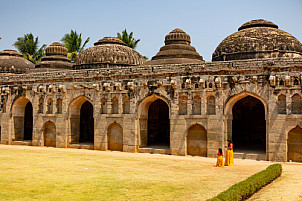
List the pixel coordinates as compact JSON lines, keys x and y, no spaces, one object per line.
{"x":154,"y":150}
{"x":258,"y":157}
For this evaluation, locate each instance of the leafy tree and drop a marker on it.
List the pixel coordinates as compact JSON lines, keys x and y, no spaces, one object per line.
{"x":73,"y":42}
{"x":28,"y":46}
{"x":128,"y":39}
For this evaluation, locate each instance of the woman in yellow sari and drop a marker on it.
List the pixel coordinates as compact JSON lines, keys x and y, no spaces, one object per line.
{"x":219,"y":162}
{"x":229,"y":157}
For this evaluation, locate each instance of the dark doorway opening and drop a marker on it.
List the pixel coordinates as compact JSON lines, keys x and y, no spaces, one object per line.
{"x":249,"y":126}
{"x":28,"y":122}
{"x":86,"y":123}
{"x":158,"y":124}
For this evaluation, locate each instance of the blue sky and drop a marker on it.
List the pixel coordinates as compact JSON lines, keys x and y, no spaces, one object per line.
{"x":207,"y":22}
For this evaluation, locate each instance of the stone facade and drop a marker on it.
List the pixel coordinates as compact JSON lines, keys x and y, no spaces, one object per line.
{"x":137,"y":107}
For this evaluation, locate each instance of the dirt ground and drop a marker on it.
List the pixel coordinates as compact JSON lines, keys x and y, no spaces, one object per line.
{"x":287,"y":187}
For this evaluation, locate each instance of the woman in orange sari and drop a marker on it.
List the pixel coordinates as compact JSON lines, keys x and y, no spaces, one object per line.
{"x":229,"y":157}
{"x":219,"y":162}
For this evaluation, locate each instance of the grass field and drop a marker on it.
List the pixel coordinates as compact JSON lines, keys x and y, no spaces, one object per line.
{"x":37,"y":173}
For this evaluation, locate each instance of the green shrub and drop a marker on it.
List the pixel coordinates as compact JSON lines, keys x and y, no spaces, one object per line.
{"x":251,"y":185}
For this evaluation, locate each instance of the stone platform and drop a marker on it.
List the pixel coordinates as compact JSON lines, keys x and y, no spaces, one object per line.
{"x":154,"y":150}
{"x":81,"y":146}
{"x":252,"y":156}
{"x":25,"y":143}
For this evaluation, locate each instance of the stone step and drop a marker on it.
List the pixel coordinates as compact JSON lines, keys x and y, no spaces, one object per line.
{"x":81,"y":146}
{"x":154,"y":150}
{"x":25,"y":143}
{"x":251,"y":156}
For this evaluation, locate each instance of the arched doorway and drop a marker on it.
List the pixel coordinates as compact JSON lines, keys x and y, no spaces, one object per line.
{"x":115,"y":137}
{"x":86,"y":123}
{"x":249,"y":125}
{"x":22,"y":113}
{"x":49,"y":132}
{"x":28,"y":121}
{"x":294,"y":145}
{"x":197,"y":140}
{"x":158,"y":124}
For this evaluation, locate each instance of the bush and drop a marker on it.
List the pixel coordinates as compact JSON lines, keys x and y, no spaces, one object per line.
{"x":251,"y":185}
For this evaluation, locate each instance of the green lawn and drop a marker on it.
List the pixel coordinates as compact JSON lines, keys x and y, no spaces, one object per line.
{"x":67,"y":174}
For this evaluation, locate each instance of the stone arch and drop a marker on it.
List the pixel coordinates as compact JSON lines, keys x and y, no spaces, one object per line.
{"x":115,"y":137}
{"x":49,"y":106}
{"x":114,"y":109}
{"x":104,"y":106}
{"x":196,"y":106}
{"x":281,"y":104}
{"x":183,"y":105}
{"x":211,"y":105}
{"x":296,"y":104}
{"x":294,"y":144}
{"x":22,"y":113}
{"x":230,"y":102}
{"x":59,"y":106}
{"x":143,"y":118}
{"x":81,"y":125}
{"x":261,"y":121}
{"x":197,"y":140}
{"x":126,"y":105}
{"x":49,"y":134}
{"x":41,"y":105}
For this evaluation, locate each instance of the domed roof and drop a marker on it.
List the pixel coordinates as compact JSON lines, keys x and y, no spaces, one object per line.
{"x":177,"y":50}
{"x":257,"y":39}
{"x":12,"y":61}
{"x":108,"y":51}
{"x":56,"y":57}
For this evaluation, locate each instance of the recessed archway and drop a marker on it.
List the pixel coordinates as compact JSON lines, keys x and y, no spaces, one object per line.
{"x":22,"y":112}
{"x":81,"y":121}
{"x":86,"y":123}
{"x":158,"y":124}
{"x":49,"y":134}
{"x":294,"y":145}
{"x":249,"y":125}
{"x":154,"y":110}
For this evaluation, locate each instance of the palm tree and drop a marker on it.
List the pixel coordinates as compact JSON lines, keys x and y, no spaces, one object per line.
{"x":131,"y":42}
{"x":28,"y":46}
{"x":73,"y":42}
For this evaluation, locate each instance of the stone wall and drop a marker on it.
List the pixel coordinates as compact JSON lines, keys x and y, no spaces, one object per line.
{"x":217,"y":86}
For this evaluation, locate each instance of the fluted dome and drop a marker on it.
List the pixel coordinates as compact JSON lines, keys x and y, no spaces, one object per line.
{"x":177,"y":50}
{"x":56,"y":58}
{"x":257,"y":39}
{"x":108,"y":51}
{"x":12,"y":61}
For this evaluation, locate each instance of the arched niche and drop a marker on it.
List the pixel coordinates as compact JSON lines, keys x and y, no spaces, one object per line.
{"x":197,"y":140}
{"x":49,"y":134}
{"x":294,"y":145}
{"x":115,"y":137}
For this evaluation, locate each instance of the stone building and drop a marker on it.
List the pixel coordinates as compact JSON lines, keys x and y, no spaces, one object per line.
{"x":176,"y":103}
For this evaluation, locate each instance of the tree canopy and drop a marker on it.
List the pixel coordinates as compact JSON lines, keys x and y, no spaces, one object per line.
{"x":128,"y":39}
{"x":28,"y":46}
{"x":73,"y":42}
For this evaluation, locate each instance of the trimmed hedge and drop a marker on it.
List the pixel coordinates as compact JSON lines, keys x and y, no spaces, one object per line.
{"x":251,"y":185}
